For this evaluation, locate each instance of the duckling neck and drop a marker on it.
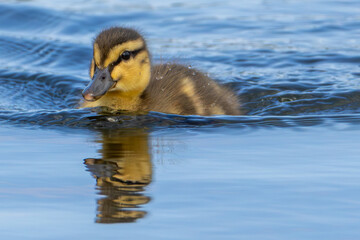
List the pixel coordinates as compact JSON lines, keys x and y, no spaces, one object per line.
{"x":122,"y":100}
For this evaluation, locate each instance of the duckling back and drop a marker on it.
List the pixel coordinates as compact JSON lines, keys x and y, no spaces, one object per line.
{"x":177,"y":89}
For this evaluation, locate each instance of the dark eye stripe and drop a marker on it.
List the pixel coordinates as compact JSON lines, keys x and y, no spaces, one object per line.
{"x":134,"y":53}
{"x":118,"y":61}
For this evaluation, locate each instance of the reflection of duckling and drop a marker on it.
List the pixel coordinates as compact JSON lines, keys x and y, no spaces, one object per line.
{"x":123,"y":79}
{"x":121,"y":176}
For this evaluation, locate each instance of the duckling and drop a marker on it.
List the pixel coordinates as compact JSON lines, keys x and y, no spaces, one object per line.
{"x":124,"y":79}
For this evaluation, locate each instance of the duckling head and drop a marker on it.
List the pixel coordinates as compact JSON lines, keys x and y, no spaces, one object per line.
{"x":120,"y":63}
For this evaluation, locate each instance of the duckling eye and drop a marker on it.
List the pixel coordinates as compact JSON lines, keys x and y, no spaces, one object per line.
{"x":126,"y":55}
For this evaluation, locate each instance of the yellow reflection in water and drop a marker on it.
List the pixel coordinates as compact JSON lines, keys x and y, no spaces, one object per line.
{"x":121,"y":175}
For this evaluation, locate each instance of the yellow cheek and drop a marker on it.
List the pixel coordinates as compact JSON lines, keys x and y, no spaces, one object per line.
{"x":124,"y":70}
{"x":133,"y":74}
{"x":116,"y":73}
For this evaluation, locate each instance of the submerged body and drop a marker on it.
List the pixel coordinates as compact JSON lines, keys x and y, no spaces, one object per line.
{"x":123,"y":79}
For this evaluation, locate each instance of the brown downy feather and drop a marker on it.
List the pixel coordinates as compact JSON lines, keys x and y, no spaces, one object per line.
{"x":180,"y":90}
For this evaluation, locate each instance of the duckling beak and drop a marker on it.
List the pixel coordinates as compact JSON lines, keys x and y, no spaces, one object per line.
{"x":99,"y":85}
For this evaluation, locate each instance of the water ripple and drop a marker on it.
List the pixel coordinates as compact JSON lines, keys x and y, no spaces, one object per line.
{"x":289,"y":68}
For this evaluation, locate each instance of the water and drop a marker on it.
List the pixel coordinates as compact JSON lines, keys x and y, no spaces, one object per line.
{"x":287,"y":169}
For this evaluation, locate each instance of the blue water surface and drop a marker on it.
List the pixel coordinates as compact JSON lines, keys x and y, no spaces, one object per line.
{"x":286,"y":169}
